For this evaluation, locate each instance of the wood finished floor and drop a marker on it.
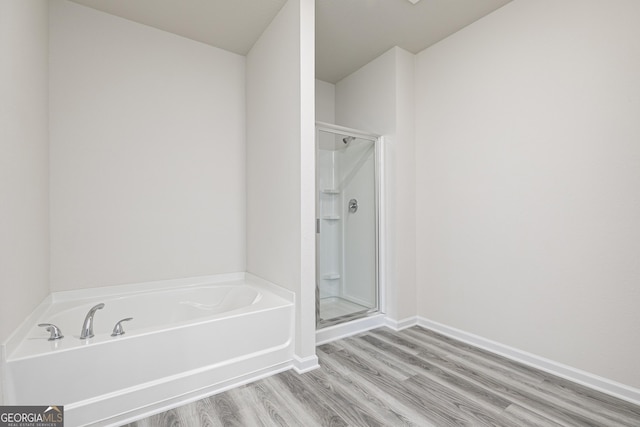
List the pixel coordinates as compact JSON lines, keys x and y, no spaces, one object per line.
{"x":410,"y":378}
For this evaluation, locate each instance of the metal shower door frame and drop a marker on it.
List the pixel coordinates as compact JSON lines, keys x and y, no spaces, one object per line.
{"x":378,"y":169}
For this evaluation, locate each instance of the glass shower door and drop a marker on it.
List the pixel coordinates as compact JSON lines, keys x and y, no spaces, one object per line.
{"x":346,"y":268}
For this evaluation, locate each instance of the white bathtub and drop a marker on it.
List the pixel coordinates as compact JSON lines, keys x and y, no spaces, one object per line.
{"x":188,"y":338}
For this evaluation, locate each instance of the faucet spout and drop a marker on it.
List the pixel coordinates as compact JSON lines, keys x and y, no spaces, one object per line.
{"x":87,"y":327}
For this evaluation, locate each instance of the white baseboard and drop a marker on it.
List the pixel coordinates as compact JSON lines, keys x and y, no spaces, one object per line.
{"x":578,"y":376}
{"x":305,"y":364}
{"x":398,"y":325}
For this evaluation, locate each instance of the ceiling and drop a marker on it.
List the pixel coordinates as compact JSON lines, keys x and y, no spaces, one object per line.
{"x":349,"y":33}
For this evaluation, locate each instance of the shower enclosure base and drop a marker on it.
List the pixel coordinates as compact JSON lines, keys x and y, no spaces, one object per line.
{"x":343,"y":330}
{"x":333,"y":307}
{"x":336,"y":310}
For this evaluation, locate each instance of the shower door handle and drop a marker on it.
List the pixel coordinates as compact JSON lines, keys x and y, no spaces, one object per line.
{"x":317,"y":225}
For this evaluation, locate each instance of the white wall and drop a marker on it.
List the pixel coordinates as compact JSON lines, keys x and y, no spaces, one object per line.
{"x":378,"y":98}
{"x":280,"y":162}
{"x":24,"y":223}
{"x":273,"y":151}
{"x":365,"y":99}
{"x":325,"y":102}
{"x":528,"y":182}
{"x":147,"y":153}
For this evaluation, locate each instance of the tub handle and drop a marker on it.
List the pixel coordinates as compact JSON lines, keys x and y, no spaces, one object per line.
{"x":118,"y":330}
{"x":56,"y":333}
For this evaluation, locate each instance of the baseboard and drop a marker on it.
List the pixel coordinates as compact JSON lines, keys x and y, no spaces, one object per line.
{"x":578,"y":376}
{"x":398,"y":325}
{"x":305,"y":364}
{"x":343,"y":330}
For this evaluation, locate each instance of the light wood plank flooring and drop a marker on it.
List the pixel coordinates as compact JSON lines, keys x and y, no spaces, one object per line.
{"x":410,"y":378}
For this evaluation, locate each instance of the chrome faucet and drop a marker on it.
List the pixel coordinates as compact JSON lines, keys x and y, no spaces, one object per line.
{"x":87,"y":327}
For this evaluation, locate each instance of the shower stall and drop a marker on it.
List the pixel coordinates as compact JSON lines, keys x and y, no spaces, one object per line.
{"x":347,"y":216}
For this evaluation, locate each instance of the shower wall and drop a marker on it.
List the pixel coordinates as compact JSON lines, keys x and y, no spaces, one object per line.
{"x":346,"y":250}
{"x":347,"y":264}
{"x":331,"y":204}
{"x":147,"y":153}
{"x":359,"y":227}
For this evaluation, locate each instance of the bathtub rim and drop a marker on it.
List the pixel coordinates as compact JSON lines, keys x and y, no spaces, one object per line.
{"x":12,"y":343}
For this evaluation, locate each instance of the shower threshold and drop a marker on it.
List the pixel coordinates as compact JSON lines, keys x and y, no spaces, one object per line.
{"x":334,"y":310}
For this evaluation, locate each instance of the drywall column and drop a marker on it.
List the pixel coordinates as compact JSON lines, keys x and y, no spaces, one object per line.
{"x":306,"y":315}
{"x":280,"y":164}
{"x":402,"y":209}
{"x":24,"y":121}
{"x":378,"y":98}
{"x":527,"y":128}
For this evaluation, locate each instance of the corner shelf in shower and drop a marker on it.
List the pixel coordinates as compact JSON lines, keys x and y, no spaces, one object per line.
{"x":331,"y":276}
{"x":331,"y":217}
{"x":330,"y":191}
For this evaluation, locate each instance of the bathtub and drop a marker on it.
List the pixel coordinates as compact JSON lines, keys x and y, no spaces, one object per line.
{"x":189,"y":338}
